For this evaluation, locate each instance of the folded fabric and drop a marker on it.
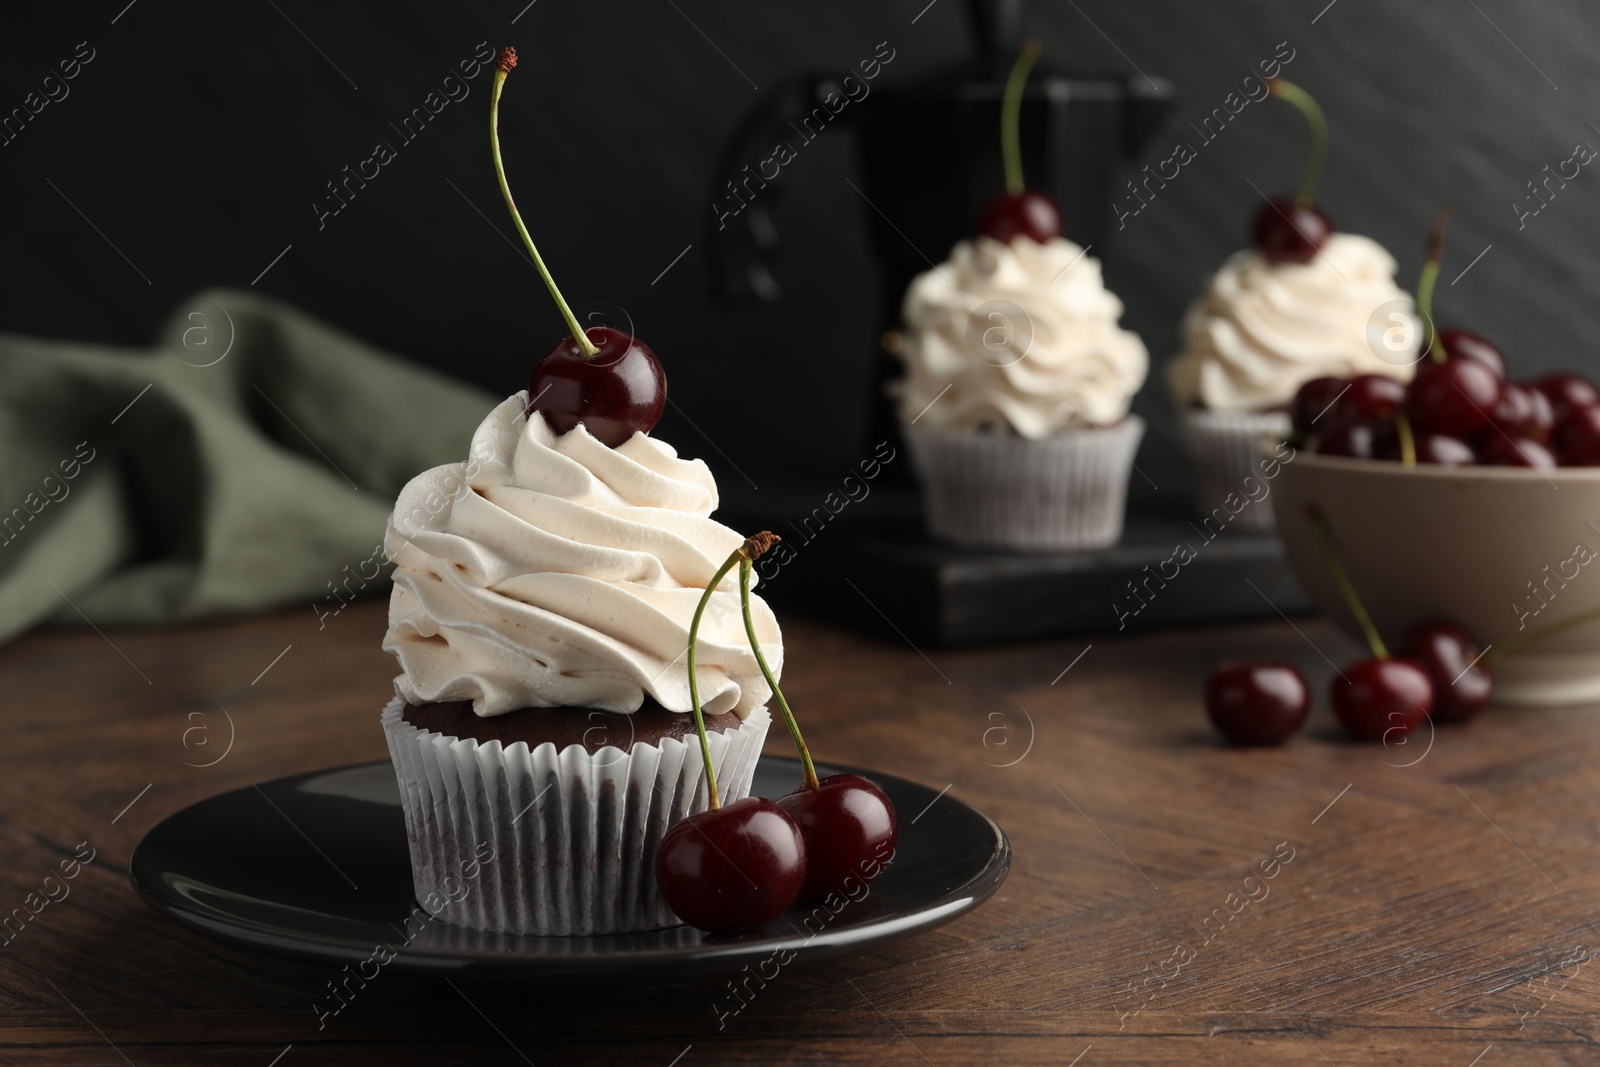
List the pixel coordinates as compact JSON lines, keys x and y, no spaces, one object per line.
{"x":245,"y":461}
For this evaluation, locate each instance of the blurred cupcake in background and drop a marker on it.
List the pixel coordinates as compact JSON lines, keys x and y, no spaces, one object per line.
{"x":1016,"y":394}
{"x":1305,"y":302}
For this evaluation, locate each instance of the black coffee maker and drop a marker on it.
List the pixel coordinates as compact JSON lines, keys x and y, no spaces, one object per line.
{"x":930,"y":157}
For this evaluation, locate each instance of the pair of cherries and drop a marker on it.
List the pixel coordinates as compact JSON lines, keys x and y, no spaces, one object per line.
{"x":740,"y":866}
{"x":1436,"y":672}
{"x":743,"y":865}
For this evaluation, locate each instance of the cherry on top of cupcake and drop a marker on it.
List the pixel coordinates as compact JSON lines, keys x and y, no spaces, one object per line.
{"x":1020,"y":211}
{"x":602,"y":377}
{"x":1293,"y":230}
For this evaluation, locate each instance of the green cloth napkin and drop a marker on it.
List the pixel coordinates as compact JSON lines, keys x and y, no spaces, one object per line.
{"x":247,"y":460}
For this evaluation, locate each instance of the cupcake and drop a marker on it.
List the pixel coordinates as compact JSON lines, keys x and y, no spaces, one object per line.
{"x":1015,"y":397}
{"x":1260,"y":331}
{"x":1304,"y":303}
{"x":543,"y":591}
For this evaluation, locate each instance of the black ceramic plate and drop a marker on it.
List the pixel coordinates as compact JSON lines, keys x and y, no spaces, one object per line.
{"x":239,"y":867}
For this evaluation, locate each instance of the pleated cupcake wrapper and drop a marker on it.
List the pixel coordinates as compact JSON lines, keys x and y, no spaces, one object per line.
{"x":1226,"y":447}
{"x":557,"y":843}
{"x":998,"y":490}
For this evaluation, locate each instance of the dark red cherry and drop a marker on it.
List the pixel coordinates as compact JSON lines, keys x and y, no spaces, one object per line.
{"x":1576,"y":438}
{"x":1314,"y":401}
{"x":1030,"y":213}
{"x":619,"y":391}
{"x":1501,"y":451}
{"x":735,"y":868}
{"x":1464,"y":344}
{"x":1358,"y":440}
{"x":1444,"y":451}
{"x":1523,"y":411}
{"x":1379,"y":698}
{"x":1371,"y":398}
{"x":1286,"y":231}
{"x":1257,"y":702}
{"x":1568,"y":392}
{"x":849,"y":828}
{"x":1454,"y":398}
{"x":1461,"y":680}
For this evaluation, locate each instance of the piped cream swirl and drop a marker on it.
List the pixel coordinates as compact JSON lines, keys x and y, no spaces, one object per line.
{"x":1261,"y":330}
{"x":551,"y":571}
{"x":1023,"y":335}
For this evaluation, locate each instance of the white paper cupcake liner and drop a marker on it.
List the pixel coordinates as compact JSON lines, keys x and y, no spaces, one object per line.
{"x":997,"y":490}
{"x":556,"y":843}
{"x":1227,"y":447}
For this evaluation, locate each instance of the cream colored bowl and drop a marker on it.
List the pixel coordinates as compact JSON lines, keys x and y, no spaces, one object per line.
{"x":1500,"y":551}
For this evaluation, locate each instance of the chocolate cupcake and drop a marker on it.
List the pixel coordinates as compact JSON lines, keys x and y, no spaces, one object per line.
{"x":540,"y":614}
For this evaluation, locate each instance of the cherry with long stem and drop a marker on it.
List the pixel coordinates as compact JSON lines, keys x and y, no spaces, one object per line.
{"x":1021,"y":212}
{"x":1381,"y":695}
{"x":1294,"y":230}
{"x":730,"y":867}
{"x":848,"y":823}
{"x":503,"y":66}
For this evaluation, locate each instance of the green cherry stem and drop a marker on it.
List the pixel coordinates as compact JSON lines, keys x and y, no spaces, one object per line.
{"x":694,"y":684}
{"x":1430,"y":278}
{"x":1342,"y":580}
{"x":1291,"y":93}
{"x":1011,"y":117}
{"x":508,"y":60}
{"x":1519,"y":643}
{"x":808,"y":769}
{"x":1408,"y":440}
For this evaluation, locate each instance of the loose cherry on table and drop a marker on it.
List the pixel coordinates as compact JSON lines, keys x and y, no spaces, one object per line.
{"x":1462,"y":681}
{"x":849,"y":828}
{"x":1021,"y":211}
{"x":1293,"y":230}
{"x":733,"y":867}
{"x":1257,"y":702}
{"x":601,"y":377}
{"x":1374,"y":697}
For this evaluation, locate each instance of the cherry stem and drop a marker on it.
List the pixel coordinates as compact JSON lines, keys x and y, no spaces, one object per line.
{"x":1342,"y":580}
{"x":694,"y":685}
{"x":508,"y":59}
{"x":1429,"y":278}
{"x":808,"y":769}
{"x":1519,"y":643}
{"x":1011,"y":116}
{"x":1408,"y":440}
{"x":1291,"y":93}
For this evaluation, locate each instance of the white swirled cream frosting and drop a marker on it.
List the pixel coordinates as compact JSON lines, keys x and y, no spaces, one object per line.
{"x":551,"y":571}
{"x":1023,"y":335}
{"x":1261,"y":330}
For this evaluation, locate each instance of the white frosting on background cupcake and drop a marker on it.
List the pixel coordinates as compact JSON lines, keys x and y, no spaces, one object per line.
{"x":551,"y":571}
{"x":1023,"y":335}
{"x":1261,"y":330}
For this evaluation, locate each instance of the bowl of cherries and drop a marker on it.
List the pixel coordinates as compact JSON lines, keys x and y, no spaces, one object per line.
{"x":1465,"y":495}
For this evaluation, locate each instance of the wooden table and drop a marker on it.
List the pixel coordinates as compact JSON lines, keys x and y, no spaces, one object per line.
{"x":1435,"y":912}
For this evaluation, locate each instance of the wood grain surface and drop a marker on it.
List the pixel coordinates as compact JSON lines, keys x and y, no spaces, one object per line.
{"x":1426,"y":904}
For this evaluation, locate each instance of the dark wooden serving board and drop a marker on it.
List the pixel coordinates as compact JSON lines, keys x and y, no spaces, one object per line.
{"x":874,"y":565}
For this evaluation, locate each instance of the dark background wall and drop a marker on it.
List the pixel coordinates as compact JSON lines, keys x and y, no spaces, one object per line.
{"x":198,"y":138}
